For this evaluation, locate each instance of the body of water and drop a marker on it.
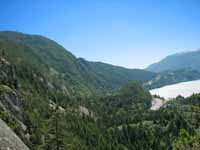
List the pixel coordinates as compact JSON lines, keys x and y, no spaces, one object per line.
{"x":184,"y":89}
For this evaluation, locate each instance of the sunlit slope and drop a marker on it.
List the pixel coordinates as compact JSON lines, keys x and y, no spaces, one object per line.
{"x":55,"y":62}
{"x":178,"y":61}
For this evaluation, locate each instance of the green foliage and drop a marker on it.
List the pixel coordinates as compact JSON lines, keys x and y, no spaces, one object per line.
{"x":182,"y":141}
{"x":5,"y":89}
{"x":59,"y":66}
{"x":57,"y":101}
{"x":55,"y":139}
{"x":172,"y":77}
{"x":187,"y":142}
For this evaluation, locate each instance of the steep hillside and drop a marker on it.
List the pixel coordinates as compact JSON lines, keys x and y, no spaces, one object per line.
{"x":178,"y":61}
{"x":170,"y":77}
{"x":72,"y":75}
{"x":112,"y":77}
{"x":40,"y":115}
{"x":41,"y":103}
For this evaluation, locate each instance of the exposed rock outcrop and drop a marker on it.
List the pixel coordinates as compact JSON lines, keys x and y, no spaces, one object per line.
{"x":9,"y":140}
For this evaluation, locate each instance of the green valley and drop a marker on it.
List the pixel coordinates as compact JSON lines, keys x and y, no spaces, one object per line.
{"x":55,"y":101}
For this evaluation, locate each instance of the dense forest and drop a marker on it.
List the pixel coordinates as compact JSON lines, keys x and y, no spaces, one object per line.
{"x":74,"y":106}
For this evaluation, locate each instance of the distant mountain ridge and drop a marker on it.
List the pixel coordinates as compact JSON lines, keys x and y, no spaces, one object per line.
{"x":186,"y":60}
{"x":171,"y":77}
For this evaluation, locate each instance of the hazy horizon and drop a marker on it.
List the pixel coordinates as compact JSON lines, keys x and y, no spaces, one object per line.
{"x":131,"y":34}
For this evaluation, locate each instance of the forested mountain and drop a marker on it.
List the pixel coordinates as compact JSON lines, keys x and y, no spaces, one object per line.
{"x":178,"y":61}
{"x":170,"y":77}
{"x":54,"y":101}
{"x":56,"y":63}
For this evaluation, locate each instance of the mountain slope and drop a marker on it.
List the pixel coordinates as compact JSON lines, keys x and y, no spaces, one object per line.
{"x":104,"y":74}
{"x":39,"y":115}
{"x":57,"y":64}
{"x":178,"y":61}
{"x":171,"y":77}
{"x":36,"y":106}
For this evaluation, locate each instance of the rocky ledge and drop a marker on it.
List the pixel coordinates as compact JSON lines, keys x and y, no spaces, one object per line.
{"x":9,"y":140}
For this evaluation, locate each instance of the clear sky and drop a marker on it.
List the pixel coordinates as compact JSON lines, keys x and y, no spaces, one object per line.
{"x":129,"y":33}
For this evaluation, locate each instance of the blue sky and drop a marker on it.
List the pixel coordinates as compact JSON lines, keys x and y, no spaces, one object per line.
{"x":129,"y":33}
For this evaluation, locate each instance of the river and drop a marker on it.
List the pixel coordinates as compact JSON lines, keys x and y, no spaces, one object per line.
{"x":168,"y":92}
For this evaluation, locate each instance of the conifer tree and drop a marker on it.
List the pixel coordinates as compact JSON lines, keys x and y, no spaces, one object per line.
{"x":55,"y":139}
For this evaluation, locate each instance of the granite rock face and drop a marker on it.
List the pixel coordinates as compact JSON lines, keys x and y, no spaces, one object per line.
{"x":9,"y":140}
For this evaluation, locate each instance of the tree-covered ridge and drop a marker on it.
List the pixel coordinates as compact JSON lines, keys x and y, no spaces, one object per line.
{"x":77,"y":76}
{"x":177,"y":61}
{"x":48,"y":119}
{"x":34,"y":103}
{"x":171,"y":77}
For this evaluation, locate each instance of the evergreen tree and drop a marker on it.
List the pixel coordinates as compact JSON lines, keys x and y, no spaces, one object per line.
{"x":55,"y":139}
